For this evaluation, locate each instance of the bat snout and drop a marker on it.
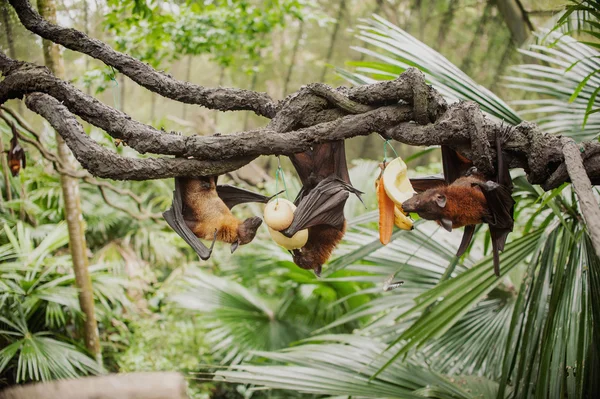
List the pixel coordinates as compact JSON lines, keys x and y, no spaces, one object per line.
{"x":247,"y":230}
{"x":410,"y":205}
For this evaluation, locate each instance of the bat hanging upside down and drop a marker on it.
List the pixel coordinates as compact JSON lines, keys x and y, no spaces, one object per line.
{"x":320,"y":204}
{"x":465,"y":197}
{"x":202,"y":209}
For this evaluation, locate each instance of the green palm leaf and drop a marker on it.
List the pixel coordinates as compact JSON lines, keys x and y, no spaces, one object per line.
{"x":567,"y":80}
{"x":342,"y":365}
{"x":396,"y":50}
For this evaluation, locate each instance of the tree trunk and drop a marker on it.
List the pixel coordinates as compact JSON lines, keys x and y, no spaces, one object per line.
{"x":70,"y":189}
{"x":188,"y":77}
{"x":5,"y":174}
{"x":516,"y":20}
{"x":336,"y":28}
{"x":11,"y":51}
{"x":288,"y":76}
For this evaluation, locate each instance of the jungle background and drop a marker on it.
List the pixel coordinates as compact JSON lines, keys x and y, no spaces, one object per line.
{"x":452,"y":330}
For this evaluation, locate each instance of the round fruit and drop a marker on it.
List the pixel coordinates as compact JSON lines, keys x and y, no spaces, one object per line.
{"x":279,"y":214}
{"x":298,"y":240}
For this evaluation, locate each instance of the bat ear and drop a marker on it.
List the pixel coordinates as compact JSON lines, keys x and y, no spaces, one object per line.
{"x":446,"y":224}
{"x":441,"y":200}
{"x":235,"y":246}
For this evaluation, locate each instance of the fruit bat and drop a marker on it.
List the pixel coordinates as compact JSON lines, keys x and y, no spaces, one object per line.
{"x":16,"y":156}
{"x":320,"y":203}
{"x":202,"y":209}
{"x":465,"y":197}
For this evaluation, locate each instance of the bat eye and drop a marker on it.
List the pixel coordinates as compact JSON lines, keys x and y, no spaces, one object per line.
{"x":440,"y":200}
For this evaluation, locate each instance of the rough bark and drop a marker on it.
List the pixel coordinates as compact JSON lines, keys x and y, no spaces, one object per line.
{"x":583,"y":188}
{"x":165,"y":385}
{"x":70,"y":190}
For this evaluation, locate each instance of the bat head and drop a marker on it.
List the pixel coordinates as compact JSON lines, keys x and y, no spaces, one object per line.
{"x":247,"y":230}
{"x":429,"y":204}
{"x":308,"y":260}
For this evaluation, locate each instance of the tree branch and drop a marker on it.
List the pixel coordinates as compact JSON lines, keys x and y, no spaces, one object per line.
{"x":583,"y":188}
{"x":313,"y":115}
{"x":223,"y":99}
{"x":103,"y":163}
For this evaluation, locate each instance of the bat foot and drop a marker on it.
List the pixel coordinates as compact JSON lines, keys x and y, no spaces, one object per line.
{"x":318,"y":270}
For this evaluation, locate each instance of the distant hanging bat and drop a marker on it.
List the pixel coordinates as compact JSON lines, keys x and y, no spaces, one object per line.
{"x":320,"y":204}
{"x":16,"y":156}
{"x":465,"y":197}
{"x":202,"y":209}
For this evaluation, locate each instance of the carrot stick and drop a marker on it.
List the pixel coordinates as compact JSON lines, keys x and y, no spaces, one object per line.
{"x":386,"y":213}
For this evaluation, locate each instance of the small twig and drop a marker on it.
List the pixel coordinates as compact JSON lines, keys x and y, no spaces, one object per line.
{"x":583,"y":188}
{"x":84,"y":175}
{"x":141,"y":216}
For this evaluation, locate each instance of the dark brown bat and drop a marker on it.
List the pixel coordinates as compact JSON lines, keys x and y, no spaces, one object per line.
{"x":202,"y":209}
{"x":320,"y":204}
{"x":16,"y":156}
{"x":465,"y":197}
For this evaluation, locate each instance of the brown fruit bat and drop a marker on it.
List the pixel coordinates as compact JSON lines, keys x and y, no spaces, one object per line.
{"x":16,"y":157}
{"x":465,"y":197}
{"x":202,"y":209}
{"x":320,"y":204}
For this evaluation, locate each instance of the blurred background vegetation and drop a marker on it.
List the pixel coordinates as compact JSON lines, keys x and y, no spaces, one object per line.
{"x":453,"y":330}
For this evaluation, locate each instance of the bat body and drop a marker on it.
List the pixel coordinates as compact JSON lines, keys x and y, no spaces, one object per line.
{"x":467,"y":198}
{"x":320,"y":204}
{"x":202,"y":209}
{"x":16,"y":156}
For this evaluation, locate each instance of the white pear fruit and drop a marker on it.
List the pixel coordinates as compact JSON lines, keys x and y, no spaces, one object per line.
{"x":279,"y":215}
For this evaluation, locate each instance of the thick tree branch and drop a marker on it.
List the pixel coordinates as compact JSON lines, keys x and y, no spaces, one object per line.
{"x":583,"y":188}
{"x":315,"y":114}
{"x":223,"y":99}
{"x":103,"y":163}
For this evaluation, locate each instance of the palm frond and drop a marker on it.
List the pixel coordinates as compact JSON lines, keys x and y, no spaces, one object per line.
{"x":344,"y":364}
{"x":566,"y":79}
{"x":396,"y":50}
{"x":237,"y":319}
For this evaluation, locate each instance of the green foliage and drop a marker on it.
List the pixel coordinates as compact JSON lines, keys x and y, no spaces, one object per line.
{"x":527,"y":334}
{"x":39,"y":307}
{"x":344,"y":364}
{"x":228,"y":31}
{"x":396,"y":50}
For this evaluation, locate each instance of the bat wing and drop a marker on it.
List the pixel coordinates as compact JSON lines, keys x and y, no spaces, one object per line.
{"x":454,"y":164}
{"x":174,"y":218}
{"x":323,"y":205}
{"x":233,"y":196}
{"x":466,"y":239}
{"x":501,"y":206}
{"x":421,"y":184}
{"x":322,"y":161}
{"x":500,"y":202}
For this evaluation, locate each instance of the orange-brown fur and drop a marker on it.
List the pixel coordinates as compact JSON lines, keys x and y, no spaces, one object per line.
{"x":465,"y":204}
{"x":207,"y":212}
{"x":322,"y":240}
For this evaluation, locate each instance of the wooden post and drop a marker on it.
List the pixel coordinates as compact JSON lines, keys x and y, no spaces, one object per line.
{"x":159,"y":385}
